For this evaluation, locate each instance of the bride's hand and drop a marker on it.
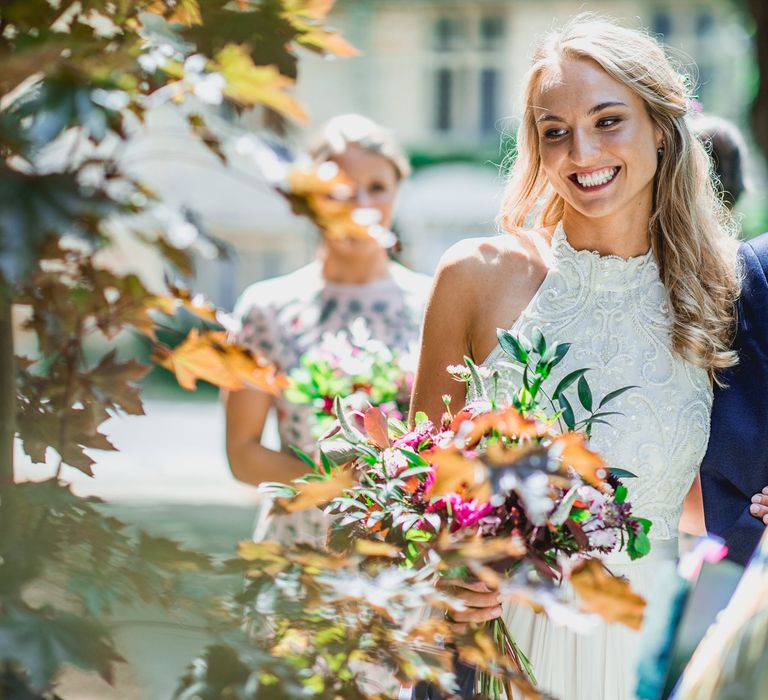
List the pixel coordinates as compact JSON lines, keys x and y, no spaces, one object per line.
{"x":482,"y":603}
{"x":759,"y":507}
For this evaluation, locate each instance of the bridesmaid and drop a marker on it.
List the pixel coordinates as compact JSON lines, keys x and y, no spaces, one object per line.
{"x":284,"y":317}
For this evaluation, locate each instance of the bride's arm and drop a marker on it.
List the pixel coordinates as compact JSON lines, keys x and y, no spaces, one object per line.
{"x":445,"y":336}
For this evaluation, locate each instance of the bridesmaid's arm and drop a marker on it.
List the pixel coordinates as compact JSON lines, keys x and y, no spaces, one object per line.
{"x":249,"y":460}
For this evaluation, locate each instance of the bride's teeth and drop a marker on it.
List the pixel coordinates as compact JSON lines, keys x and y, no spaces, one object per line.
{"x":598,"y":178}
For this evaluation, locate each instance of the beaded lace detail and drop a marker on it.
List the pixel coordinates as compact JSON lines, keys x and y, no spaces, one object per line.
{"x":614,"y":312}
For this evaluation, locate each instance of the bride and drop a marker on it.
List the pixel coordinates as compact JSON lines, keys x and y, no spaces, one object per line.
{"x":618,"y":244}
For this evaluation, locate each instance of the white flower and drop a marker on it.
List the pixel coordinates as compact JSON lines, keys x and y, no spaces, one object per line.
{"x":394,"y":461}
{"x":605,"y":539}
{"x":460,"y":372}
{"x":534,"y":490}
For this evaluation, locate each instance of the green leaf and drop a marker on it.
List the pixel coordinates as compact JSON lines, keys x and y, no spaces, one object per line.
{"x":413,"y":459}
{"x":638,"y":546}
{"x":420,"y":417}
{"x":42,"y":640}
{"x":414,"y":535}
{"x":538,"y":341}
{"x":351,"y":433}
{"x":303,"y":456}
{"x":580,"y":515}
{"x":585,"y":393}
{"x":645,"y":523}
{"x":568,"y":416}
{"x":477,"y":380}
{"x":566,"y":382}
{"x":621,"y":494}
{"x":512,"y":346}
{"x":563,"y":510}
{"x":560,"y":351}
{"x":622,"y":473}
{"x":328,"y":464}
{"x":615,"y":394}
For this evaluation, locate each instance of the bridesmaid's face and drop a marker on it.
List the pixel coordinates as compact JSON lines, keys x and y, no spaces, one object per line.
{"x":597,"y":142}
{"x":373,"y":178}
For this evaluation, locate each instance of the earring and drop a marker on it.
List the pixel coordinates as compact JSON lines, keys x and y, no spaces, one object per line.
{"x":660,"y":151}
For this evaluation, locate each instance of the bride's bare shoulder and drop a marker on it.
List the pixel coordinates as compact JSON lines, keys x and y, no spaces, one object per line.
{"x":492,"y":259}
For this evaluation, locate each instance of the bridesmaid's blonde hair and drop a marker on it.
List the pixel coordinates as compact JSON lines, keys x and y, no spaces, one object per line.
{"x":692,"y":233}
{"x":344,"y":130}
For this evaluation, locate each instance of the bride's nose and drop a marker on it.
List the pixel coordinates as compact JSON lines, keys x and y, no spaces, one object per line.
{"x":585,"y":149}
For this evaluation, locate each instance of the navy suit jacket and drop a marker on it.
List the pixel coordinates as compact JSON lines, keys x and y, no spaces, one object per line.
{"x":736,"y":463}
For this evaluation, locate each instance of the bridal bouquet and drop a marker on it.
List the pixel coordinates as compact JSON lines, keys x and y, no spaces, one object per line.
{"x":361,"y":370}
{"x":501,"y":493}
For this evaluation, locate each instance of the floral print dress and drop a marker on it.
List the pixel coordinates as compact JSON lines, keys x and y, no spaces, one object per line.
{"x":285,"y":317}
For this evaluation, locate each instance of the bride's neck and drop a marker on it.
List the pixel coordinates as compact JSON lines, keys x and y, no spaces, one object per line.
{"x":622,"y":235}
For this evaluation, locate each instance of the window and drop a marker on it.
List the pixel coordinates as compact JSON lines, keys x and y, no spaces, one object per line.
{"x":491,"y":33}
{"x":662,"y":23}
{"x":443,"y":99}
{"x":704,"y":24}
{"x":448,"y":34}
{"x":489,"y":108}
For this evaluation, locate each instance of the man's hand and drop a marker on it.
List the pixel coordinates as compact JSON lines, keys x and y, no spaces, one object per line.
{"x":759,"y":507}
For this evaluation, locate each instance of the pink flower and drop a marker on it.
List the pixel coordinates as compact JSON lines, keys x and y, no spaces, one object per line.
{"x":413,"y":439}
{"x":465,"y":513}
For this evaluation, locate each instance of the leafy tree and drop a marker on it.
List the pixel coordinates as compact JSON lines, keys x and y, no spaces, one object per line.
{"x":76,"y":78}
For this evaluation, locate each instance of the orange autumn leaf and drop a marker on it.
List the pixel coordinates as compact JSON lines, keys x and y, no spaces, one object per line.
{"x":315,"y":493}
{"x":455,"y":472}
{"x":183,"y":298}
{"x":606,"y":595}
{"x":328,"y":42}
{"x":185,"y":12}
{"x":208,"y":355}
{"x":507,"y":422}
{"x":328,"y":198}
{"x":572,"y":450}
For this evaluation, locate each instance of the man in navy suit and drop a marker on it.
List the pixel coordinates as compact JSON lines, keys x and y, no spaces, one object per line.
{"x":736,"y":463}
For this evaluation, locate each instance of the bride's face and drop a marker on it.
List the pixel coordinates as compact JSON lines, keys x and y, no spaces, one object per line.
{"x":597,"y":142}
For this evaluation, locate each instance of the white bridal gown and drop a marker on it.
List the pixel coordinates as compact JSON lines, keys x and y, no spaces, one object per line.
{"x":615,"y":314}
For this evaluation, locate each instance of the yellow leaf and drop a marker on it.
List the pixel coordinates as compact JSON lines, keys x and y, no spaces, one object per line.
{"x":249,"y":84}
{"x":315,"y":493}
{"x":607,"y":595}
{"x":370,"y":548}
{"x":310,"y":9}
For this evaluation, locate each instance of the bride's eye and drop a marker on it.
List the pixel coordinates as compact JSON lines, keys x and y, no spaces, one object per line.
{"x":606,"y":122}
{"x":553,"y":134}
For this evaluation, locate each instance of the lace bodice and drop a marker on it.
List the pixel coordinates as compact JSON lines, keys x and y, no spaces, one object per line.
{"x":615,"y":314}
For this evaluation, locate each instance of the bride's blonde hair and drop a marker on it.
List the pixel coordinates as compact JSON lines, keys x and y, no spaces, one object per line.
{"x":691,"y":231}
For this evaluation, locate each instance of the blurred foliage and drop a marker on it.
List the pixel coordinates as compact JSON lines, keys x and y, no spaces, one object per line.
{"x":76,"y":80}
